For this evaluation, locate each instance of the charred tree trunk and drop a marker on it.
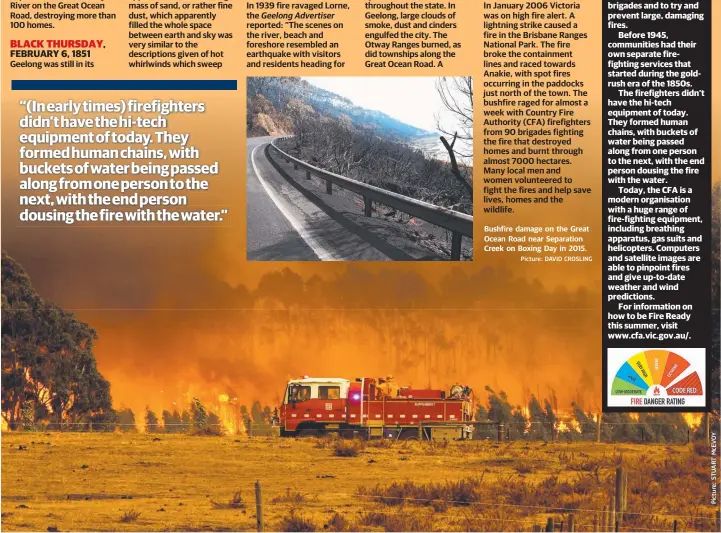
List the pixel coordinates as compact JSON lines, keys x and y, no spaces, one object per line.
{"x":454,"y":165}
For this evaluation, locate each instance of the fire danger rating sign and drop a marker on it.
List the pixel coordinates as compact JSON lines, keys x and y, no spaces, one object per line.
{"x":656,"y":378}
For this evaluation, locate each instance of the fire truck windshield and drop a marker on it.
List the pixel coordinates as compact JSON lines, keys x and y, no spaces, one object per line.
{"x":298,"y":393}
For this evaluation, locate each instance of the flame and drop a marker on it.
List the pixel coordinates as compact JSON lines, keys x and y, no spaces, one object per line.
{"x":693,"y":419}
{"x":3,"y":424}
{"x":229,"y":413}
{"x":527,"y":415}
{"x":567,"y":423}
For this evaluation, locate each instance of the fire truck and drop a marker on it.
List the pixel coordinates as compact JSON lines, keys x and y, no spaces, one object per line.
{"x":317,"y":406}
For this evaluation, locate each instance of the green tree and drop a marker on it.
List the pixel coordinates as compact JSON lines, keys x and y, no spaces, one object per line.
{"x":256,"y":412}
{"x":126,"y":420}
{"x":665,"y":427}
{"x":49,"y":372}
{"x":214,"y":423}
{"x":245,"y":416}
{"x":518,"y":424}
{"x":620,"y":427}
{"x":198,"y":416}
{"x":500,"y":410}
{"x":484,"y":432}
{"x":541,"y":427}
{"x":172,"y":422}
{"x":586,"y":423}
{"x":152,"y":424}
{"x":551,"y":418}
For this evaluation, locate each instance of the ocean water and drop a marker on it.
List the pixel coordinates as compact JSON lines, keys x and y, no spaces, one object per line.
{"x":433,"y":148}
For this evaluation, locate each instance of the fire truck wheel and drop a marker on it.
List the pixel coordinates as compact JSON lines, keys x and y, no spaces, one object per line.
{"x":309,"y":433}
{"x":409,"y":435}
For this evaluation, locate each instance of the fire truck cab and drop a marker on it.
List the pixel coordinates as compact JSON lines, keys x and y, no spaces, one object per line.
{"x":316,"y":406}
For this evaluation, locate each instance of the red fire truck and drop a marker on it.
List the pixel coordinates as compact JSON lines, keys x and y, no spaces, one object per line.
{"x":316,"y":406}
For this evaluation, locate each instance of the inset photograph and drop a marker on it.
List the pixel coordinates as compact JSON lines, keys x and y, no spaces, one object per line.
{"x":360,"y":169}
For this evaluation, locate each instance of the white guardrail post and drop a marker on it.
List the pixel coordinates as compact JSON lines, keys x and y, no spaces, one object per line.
{"x":459,"y":224}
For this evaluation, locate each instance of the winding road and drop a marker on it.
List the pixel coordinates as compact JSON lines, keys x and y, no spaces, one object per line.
{"x":271,"y":235}
{"x":291,"y":218}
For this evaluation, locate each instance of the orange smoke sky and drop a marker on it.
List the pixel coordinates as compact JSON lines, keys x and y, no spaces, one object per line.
{"x":170,"y":329}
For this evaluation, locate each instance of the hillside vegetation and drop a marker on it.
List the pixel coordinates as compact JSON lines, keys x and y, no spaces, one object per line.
{"x":279,"y":91}
{"x":369,"y":146}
